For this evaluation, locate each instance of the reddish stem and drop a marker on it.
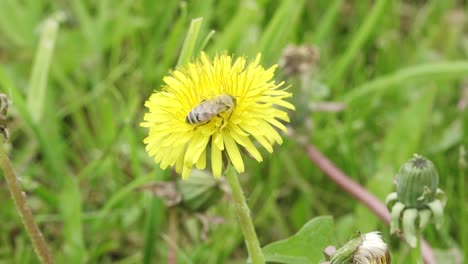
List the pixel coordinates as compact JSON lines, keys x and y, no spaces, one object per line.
{"x":360,"y":193}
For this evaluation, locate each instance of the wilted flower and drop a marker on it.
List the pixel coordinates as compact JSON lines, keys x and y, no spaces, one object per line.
{"x":363,"y":249}
{"x":209,"y":108}
{"x":373,"y":250}
{"x":299,"y":59}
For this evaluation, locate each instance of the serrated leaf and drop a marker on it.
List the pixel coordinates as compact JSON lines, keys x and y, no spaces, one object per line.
{"x":305,"y":246}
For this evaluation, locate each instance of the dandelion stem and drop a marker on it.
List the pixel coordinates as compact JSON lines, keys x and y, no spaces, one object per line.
{"x":417,"y":252}
{"x":245,"y":221}
{"x":39,"y":244}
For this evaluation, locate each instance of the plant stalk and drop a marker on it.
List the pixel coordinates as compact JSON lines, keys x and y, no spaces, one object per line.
{"x":245,"y":221}
{"x":172,"y":248}
{"x":37,"y":239}
{"x":417,"y":251}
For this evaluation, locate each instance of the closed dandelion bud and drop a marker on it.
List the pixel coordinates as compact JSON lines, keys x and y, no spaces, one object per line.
{"x":418,"y":200}
{"x":200,"y":191}
{"x":417,"y":182}
{"x":364,"y":249}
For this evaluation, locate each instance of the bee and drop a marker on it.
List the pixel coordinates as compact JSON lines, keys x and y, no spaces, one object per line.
{"x":208,"y":109}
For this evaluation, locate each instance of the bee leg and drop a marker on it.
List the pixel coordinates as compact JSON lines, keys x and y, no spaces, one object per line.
{"x":224,"y":124}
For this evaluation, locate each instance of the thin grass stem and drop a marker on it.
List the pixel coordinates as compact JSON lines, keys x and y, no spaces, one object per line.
{"x":39,"y":244}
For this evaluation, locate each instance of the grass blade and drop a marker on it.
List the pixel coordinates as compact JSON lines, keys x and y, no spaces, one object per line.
{"x":38,"y":82}
{"x":356,"y":43}
{"x":441,"y":70}
{"x":190,"y":41}
{"x":280,"y":27}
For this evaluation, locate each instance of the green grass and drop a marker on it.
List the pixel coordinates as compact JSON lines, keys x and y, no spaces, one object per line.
{"x":76,"y":142}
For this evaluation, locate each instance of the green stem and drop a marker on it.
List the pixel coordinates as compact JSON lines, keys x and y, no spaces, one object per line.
{"x":462,"y":166}
{"x":245,"y":221}
{"x":39,"y":244}
{"x":417,"y":252}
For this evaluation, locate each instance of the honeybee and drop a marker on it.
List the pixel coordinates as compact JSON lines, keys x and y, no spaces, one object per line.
{"x":206,"y":110}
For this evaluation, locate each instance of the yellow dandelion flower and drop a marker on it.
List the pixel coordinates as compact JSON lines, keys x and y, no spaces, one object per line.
{"x":209,"y":108}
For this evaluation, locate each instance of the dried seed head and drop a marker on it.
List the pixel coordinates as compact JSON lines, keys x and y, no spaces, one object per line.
{"x":373,"y":250}
{"x":363,"y":249}
{"x":299,"y":59}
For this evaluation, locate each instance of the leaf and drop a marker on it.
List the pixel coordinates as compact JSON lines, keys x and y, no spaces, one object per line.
{"x":306,"y":245}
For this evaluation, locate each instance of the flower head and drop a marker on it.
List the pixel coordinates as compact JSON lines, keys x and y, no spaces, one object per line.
{"x":209,"y":108}
{"x":372,"y":250}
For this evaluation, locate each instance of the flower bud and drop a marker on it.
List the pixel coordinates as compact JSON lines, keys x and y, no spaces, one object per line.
{"x":417,"y":182}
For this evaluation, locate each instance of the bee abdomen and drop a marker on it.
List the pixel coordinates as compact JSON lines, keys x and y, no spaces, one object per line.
{"x":192,"y":118}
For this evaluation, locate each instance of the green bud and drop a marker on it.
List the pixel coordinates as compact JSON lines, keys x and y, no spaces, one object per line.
{"x":200,"y":191}
{"x":417,"y":182}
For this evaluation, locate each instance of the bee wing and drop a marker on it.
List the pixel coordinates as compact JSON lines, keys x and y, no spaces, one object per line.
{"x":206,"y":115}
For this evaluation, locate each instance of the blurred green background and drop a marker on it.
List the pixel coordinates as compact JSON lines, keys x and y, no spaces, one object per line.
{"x":400,"y":67}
